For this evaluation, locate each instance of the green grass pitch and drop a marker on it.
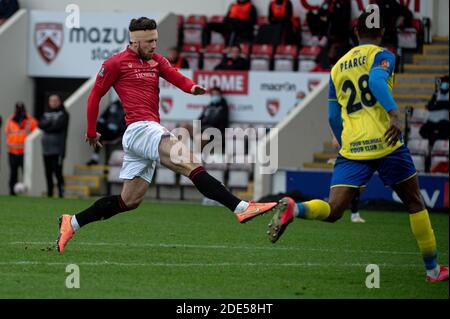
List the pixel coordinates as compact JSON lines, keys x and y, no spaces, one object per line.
{"x":177,"y":250}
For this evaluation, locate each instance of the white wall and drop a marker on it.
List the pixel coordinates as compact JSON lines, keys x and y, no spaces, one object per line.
{"x":442,"y":18}
{"x":14,"y":83}
{"x":299,"y":135}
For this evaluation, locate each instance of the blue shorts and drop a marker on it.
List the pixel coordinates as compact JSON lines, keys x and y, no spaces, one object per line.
{"x":392,"y":169}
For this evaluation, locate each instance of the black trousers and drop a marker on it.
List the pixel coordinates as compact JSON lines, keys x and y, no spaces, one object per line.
{"x":231,"y":31}
{"x":15,"y":162}
{"x":54,"y":167}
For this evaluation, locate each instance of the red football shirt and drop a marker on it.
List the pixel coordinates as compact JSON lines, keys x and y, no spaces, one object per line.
{"x":137,"y":84}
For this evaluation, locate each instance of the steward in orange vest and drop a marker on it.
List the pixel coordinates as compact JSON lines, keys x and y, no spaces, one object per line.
{"x":281,"y":13}
{"x":18,"y":126}
{"x":237,"y":26}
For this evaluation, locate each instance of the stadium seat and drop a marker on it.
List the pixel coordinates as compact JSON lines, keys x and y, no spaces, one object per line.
{"x":240,"y":171}
{"x":439,"y":164}
{"x":307,"y":57}
{"x":414,"y":131}
{"x":419,"y":162}
{"x":260,"y":21}
{"x":306,"y":35}
{"x":192,"y":54}
{"x":440,"y":147}
{"x":246,"y":50}
{"x":216,"y":37}
{"x":407,"y":38}
{"x":419,"y":146}
{"x":419,"y":116}
{"x":113,"y":174}
{"x":238,"y":179}
{"x":116,"y":158}
{"x":284,"y":57}
{"x":261,"y":57}
{"x":192,"y":29}
{"x":185,"y":181}
{"x":165,"y":176}
{"x":212,"y":56}
{"x":306,"y":66}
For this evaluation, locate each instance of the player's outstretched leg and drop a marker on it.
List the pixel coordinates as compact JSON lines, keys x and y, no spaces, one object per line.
{"x":315,"y":209}
{"x":132,"y":195}
{"x":206,"y":184}
{"x":409,"y":193}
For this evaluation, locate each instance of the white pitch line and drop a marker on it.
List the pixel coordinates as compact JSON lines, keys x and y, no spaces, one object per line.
{"x":185,"y":265}
{"x":165,"y":245}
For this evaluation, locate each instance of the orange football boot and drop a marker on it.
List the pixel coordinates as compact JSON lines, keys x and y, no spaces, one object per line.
{"x":254,"y":209}
{"x":66,"y":232}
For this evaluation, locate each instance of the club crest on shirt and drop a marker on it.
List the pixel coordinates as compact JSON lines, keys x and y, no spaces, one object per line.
{"x":152,"y":63}
{"x":48,"y":38}
{"x":384,"y":64}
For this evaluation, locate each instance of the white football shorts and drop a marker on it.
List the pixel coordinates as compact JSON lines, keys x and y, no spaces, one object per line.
{"x":140,"y":144}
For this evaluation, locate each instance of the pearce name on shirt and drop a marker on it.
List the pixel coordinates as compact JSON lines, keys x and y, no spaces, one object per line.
{"x":354,"y":62}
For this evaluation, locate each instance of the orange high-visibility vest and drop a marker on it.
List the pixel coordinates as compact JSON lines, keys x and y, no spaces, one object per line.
{"x":240,"y":11}
{"x":16,"y":135}
{"x":278,"y":11}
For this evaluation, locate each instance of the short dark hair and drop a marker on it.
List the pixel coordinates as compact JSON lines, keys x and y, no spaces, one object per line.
{"x":143,"y":23}
{"x":364,"y":31}
{"x":217,"y":89}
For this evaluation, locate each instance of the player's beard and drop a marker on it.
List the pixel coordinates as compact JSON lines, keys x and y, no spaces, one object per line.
{"x":143,"y":55}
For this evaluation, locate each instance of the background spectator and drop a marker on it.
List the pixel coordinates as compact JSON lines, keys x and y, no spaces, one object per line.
{"x":394,"y":15}
{"x":111,"y":125}
{"x":281,"y":15}
{"x":437,"y":126}
{"x":238,"y":23}
{"x":54,"y":122}
{"x":7,"y":9}
{"x":18,"y":126}
{"x":333,"y":20}
{"x":176,"y":59}
{"x":215,"y":114}
{"x":233,"y":60}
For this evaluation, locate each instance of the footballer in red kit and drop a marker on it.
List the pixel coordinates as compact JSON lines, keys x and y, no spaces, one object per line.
{"x":134,"y":74}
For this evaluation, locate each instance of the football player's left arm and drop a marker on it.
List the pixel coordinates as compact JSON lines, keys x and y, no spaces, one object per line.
{"x":382,"y":69}
{"x":171,"y":74}
{"x":334,"y":113}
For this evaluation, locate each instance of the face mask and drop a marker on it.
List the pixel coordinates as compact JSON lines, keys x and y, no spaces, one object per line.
{"x":444,"y":87}
{"x":215,"y":99}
